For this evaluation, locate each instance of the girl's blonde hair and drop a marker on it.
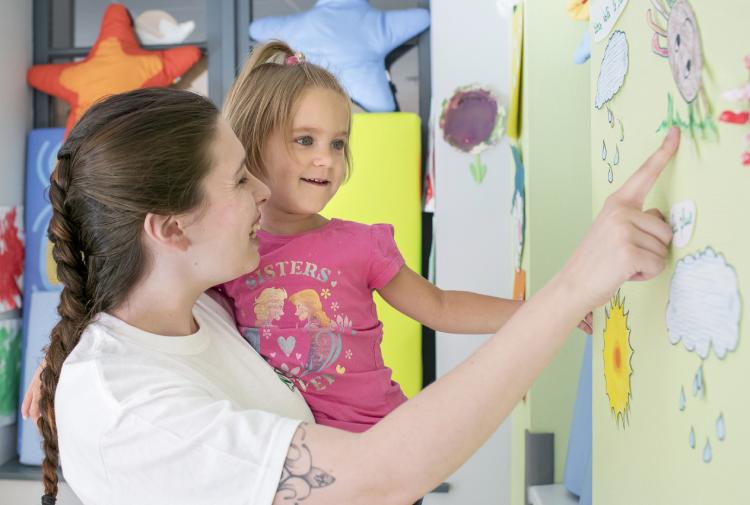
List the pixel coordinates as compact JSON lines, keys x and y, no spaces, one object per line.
{"x":265,"y":96}
{"x":309,"y":298}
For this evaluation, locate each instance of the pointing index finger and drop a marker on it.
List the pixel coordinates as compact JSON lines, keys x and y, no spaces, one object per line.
{"x":635,"y":189}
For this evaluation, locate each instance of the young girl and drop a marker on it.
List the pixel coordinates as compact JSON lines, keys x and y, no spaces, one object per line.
{"x":294,"y":120}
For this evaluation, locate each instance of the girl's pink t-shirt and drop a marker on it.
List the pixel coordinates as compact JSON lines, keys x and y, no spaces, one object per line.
{"x":308,"y":310}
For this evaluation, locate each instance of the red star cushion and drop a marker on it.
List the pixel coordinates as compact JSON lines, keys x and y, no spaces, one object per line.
{"x":116,"y":64}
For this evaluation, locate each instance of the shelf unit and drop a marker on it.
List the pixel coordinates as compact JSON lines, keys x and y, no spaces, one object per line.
{"x":226,"y":46}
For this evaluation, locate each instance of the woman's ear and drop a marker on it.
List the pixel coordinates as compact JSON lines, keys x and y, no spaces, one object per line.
{"x":166,"y":230}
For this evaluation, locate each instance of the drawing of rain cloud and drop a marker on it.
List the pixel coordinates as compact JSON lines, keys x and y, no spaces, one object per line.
{"x":704,"y":305}
{"x":613,"y":70}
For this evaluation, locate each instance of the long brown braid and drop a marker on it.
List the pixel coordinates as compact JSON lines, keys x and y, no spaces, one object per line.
{"x":146,"y":151}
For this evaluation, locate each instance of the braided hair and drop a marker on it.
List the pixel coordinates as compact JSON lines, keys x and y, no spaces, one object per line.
{"x":141,"y":152}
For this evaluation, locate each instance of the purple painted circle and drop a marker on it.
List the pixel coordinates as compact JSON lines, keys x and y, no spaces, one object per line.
{"x":469,"y":118}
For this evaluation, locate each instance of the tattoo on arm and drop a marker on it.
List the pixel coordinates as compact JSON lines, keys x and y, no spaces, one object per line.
{"x":299,"y":476}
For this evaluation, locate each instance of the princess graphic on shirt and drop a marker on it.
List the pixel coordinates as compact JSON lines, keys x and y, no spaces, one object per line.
{"x":269,"y":307}
{"x":325,"y":344}
{"x":310,"y":309}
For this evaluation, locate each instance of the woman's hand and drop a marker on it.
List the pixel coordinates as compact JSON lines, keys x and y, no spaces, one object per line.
{"x":30,"y":405}
{"x":624,"y":242}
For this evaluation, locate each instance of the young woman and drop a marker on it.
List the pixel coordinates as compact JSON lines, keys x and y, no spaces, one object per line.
{"x":149,"y":393}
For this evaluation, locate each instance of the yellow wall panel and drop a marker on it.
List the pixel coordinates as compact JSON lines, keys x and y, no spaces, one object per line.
{"x":385,"y":188}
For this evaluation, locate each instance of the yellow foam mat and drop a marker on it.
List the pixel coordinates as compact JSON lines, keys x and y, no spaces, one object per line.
{"x":385,"y":188}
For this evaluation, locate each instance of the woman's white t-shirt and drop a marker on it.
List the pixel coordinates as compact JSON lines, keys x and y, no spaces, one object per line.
{"x":149,"y":419}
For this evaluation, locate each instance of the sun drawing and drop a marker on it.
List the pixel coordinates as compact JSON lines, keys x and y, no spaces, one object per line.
{"x":617,"y":356}
{"x":684,"y":52}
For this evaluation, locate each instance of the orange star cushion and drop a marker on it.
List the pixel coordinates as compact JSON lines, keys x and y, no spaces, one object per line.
{"x":115,"y":64}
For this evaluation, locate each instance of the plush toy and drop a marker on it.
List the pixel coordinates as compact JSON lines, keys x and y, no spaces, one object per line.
{"x":740,"y":117}
{"x":115,"y":64}
{"x":159,"y":27}
{"x":351,"y":39}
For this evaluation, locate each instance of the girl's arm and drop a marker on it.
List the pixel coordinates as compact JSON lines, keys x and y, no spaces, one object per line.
{"x":435,"y":432}
{"x":446,"y":311}
{"x":451,"y":311}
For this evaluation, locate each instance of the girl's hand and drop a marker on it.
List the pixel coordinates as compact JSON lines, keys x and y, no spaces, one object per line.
{"x":30,"y":405}
{"x":624,"y":242}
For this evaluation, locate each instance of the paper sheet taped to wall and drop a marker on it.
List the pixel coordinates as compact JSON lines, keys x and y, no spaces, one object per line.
{"x":704,"y":305}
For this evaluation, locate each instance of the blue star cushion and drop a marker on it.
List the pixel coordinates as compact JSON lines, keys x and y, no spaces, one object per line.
{"x":351,"y":39}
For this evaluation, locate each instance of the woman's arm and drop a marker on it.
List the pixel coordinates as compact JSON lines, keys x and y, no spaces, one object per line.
{"x":443,"y":425}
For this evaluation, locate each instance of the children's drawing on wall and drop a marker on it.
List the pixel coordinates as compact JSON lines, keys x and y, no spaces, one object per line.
{"x":704,"y":312}
{"x":682,"y":398}
{"x":11,"y":258}
{"x":472,"y":121}
{"x":583,"y":51}
{"x":699,"y":387}
{"x":611,"y":78}
{"x":517,"y":212}
{"x":578,"y":10}
{"x":720,"y":428}
{"x":618,"y":354}
{"x":10,"y":369}
{"x":707,"y":454}
{"x":704,"y":305}
{"x":682,"y":219}
{"x":685,"y":54}
{"x":513,"y":129}
{"x":603,"y":16}
{"x":740,"y":117}
{"x":428,"y":183}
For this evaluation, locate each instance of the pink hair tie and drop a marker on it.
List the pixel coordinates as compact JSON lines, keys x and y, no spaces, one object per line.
{"x":294,"y":59}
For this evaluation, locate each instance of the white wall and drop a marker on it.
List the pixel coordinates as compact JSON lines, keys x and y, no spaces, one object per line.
{"x":15,"y":97}
{"x":15,"y":121}
{"x":470,"y":44}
